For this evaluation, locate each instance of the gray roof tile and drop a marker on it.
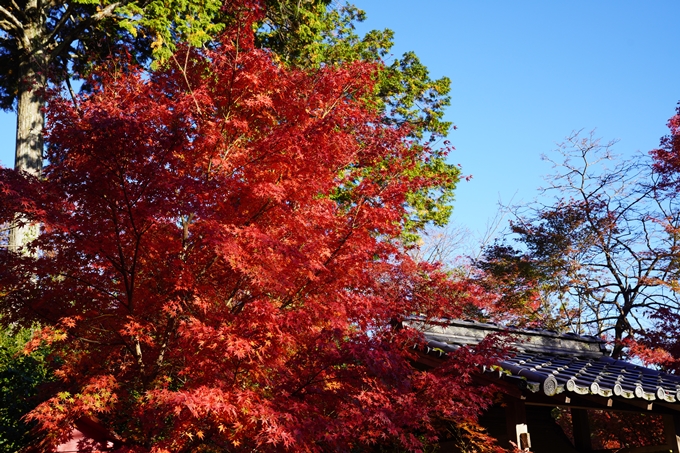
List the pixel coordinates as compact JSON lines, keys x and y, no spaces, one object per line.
{"x":554,"y":363}
{"x":601,"y":376}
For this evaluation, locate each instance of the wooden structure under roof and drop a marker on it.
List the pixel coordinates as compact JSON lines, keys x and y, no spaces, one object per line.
{"x":569,"y":371}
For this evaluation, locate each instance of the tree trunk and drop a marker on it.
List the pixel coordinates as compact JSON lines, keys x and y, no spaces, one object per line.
{"x":30,"y":121}
{"x":30,"y":116}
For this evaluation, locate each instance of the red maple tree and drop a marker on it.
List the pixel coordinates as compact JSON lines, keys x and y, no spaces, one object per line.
{"x":220,"y":266}
{"x":660,"y":345}
{"x":667,"y":156}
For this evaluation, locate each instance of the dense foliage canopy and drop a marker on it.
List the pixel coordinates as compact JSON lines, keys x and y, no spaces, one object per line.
{"x":22,"y":376}
{"x":52,"y":43}
{"x":222,"y":262}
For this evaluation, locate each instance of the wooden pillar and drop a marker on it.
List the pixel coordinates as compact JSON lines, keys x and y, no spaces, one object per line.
{"x":581,"y":427}
{"x":671,"y":425}
{"x":516,"y":422}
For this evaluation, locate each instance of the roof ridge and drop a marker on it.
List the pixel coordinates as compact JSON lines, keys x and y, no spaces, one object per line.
{"x":468,"y":332}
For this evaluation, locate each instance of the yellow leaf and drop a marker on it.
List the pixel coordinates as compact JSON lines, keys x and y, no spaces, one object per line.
{"x":158,"y":42}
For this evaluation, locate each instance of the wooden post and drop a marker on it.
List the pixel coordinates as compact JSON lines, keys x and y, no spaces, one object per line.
{"x":581,"y":427}
{"x":516,"y":422}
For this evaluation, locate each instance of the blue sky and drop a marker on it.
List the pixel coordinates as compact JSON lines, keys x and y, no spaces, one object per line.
{"x":524,"y":75}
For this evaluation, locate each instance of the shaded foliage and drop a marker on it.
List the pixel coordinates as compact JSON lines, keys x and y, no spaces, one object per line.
{"x":617,"y":430}
{"x":21,"y":377}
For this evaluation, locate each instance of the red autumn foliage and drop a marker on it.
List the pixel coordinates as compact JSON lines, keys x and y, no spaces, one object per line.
{"x":667,"y":156}
{"x":220,"y":264}
{"x":659,"y":345}
{"x":617,"y":430}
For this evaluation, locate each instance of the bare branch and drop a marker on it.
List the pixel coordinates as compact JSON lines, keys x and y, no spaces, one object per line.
{"x":605,"y":246}
{"x":12,"y":23}
{"x":60,"y":24}
{"x":104,"y":13}
{"x":19,"y":11}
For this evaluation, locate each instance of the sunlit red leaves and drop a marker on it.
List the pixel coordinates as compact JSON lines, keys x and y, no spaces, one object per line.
{"x":659,"y":344}
{"x":618,"y":430}
{"x":667,"y":157}
{"x":223,"y":239}
{"x":97,"y":395}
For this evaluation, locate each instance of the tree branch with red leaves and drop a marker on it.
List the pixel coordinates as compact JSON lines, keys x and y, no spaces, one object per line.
{"x":257,"y":308}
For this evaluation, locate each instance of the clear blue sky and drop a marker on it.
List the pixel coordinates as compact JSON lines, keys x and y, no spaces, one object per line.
{"x":524,"y":75}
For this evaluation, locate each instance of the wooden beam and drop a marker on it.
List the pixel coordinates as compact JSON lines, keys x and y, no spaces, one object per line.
{"x":581,"y":427}
{"x":669,"y":408}
{"x":506,"y":386}
{"x":571,"y":399}
{"x":595,"y":402}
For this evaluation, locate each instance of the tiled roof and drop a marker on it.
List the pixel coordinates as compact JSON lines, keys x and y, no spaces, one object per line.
{"x":603,"y":376}
{"x":458,"y":332}
{"x":552,"y":363}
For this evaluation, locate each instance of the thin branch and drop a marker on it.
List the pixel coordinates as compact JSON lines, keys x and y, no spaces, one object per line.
{"x":20,"y":11}
{"x":12,"y":21}
{"x":183,"y":70}
{"x":57,"y":28}
{"x":72,"y":93}
{"x":5,"y":25}
{"x":104,"y":13}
